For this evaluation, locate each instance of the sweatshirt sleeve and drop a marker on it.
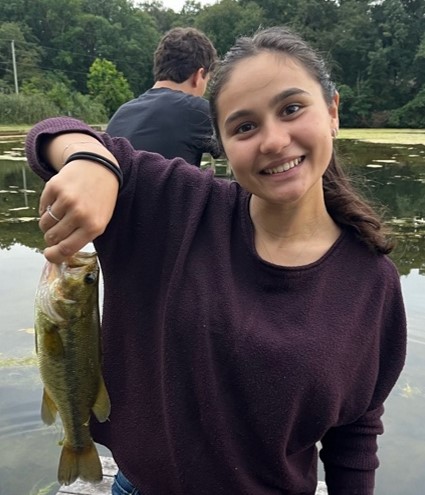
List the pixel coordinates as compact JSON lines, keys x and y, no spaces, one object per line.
{"x":349,"y":452}
{"x":47,"y":129}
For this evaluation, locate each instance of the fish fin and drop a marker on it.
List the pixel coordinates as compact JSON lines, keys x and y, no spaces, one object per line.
{"x":68,"y":470}
{"x":90,"y":466}
{"x":102,"y":407}
{"x":53,"y":343}
{"x":48,"y":409}
{"x":83,"y":463}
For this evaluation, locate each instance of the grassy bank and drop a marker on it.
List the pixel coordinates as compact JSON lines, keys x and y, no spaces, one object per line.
{"x":391,"y":136}
{"x":394,"y":136}
{"x":13,"y":129}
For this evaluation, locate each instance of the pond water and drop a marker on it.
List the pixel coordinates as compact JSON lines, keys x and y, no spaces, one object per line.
{"x":393,"y":175}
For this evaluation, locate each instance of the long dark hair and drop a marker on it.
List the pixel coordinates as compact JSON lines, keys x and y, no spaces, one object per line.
{"x":345,"y":205}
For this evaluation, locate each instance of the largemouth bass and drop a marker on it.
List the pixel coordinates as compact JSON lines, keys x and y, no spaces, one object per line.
{"x":69,"y":357}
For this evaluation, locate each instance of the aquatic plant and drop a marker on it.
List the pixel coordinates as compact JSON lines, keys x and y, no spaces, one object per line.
{"x":45,"y":490}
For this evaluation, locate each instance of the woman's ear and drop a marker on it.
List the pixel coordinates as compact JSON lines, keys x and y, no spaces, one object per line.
{"x":333,"y":111}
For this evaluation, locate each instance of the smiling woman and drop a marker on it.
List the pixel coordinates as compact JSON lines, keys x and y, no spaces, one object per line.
{"x":299,"y":331}
{"x":277,"y":134}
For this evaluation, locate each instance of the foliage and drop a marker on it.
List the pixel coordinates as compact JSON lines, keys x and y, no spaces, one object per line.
{"x":355,"y":106}
{"x":30,"y":108}
{"x":164,"y":18}
{"x":227,"y":20}
{"x":28,"y":55}
{"x":412,"y":114}
{"x":56,"y":88}
{"x":375,"y":49}
{"x":107,"y":85}
{"x":22,"y":109}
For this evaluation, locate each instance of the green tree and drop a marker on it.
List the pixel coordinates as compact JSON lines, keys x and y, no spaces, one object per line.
{"x":393,"y":55}
{"x":353,"y":38}
{"x":129,"y":42}
{"x":133,"y":51}
{"x":107,"y":85}
{"x":227,"y":20}
{"x":73,"y":33}
{"x":274,"y":12}
{"x":411,"y":115}
{"x":164,"y":18}
{"x":375,"y":48}
{"x":419,"y":63}
{"x":355,"y":105}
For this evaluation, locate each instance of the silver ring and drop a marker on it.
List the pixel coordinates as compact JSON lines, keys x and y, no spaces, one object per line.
{"x":49,"y":211}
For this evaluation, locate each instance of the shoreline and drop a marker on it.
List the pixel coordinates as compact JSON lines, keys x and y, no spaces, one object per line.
{"x":381,"y":136}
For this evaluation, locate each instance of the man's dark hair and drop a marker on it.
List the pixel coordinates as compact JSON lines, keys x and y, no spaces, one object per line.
{"x":181,"y":52}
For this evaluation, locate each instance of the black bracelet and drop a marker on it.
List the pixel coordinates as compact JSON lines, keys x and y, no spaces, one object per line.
{"x":94,"y":157}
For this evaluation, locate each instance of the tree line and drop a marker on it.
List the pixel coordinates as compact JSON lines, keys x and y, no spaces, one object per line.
{"x":85,"y":58}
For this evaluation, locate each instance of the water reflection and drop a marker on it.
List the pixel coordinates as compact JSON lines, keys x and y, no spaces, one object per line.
{"x":393,"y":178}
{"x":390,"y":175}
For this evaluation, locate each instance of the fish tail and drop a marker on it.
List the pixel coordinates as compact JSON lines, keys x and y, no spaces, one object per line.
{"x":84,"y":464}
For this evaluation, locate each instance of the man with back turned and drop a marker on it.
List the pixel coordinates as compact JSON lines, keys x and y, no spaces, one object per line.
{"x":172,"y":118}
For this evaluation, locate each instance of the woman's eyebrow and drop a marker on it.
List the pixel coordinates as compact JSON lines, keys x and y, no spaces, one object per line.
{"x":236,"y":115}
{"x":287,"y":93}
{"x":275,"y":100}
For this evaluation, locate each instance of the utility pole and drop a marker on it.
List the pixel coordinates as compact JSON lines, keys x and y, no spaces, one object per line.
{"x":15,"y":74}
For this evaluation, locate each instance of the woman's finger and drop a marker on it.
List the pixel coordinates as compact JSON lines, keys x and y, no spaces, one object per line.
{"x":50,"y":217}
{"x":59,"y":252}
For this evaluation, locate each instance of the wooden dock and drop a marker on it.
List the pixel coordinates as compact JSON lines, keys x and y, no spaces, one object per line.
{"x":104,"y":487}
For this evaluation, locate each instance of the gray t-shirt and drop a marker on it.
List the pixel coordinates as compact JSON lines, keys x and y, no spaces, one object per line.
{"x":171,"y":123}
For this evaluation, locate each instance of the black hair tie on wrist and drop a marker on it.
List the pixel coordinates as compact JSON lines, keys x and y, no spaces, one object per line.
{"x":101,"y":160}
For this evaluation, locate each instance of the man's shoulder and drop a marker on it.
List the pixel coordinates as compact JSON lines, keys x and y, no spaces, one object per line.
{"x":167,"y":98}
{"x":177,"y":97}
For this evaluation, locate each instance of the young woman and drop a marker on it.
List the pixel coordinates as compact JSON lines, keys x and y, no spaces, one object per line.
{"x":245,"y":322}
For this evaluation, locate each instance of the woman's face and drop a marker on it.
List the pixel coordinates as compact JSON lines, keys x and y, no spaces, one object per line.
{"x":276,"y":128}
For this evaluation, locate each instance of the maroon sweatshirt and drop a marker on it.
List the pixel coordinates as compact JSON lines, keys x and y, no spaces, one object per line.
{"x":227,"y":372}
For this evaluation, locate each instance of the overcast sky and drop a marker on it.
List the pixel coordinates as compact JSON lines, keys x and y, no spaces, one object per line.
{"x":177,"y":5}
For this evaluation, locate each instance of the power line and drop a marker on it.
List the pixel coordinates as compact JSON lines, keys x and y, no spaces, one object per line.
{"x":58,"y":50}
{"x":36,"y":45}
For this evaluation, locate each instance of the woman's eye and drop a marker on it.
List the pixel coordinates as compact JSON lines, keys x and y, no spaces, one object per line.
{"x":244,"y":128}
{"x":291,"y":109}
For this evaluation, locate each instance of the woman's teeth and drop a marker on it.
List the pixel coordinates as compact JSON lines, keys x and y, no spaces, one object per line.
{"x":284,"y":167}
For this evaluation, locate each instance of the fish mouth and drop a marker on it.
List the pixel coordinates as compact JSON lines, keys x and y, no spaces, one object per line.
{"x":47,"y":297}
{"x":283,"y":167}
{"x":81,"y":259}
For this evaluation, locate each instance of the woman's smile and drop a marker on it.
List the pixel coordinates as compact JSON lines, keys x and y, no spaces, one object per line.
{"x":283,"y":167}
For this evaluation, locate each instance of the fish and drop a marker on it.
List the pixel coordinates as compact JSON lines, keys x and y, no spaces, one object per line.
{"x":68,"y":349}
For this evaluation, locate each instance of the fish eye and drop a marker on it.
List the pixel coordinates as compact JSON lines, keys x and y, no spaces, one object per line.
{"x":90,"y":278}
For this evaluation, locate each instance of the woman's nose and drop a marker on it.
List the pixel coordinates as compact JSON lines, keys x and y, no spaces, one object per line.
{"x":275,"y":137}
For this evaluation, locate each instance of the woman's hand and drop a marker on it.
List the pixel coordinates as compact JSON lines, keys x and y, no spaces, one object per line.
{"x":82,"y":196}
